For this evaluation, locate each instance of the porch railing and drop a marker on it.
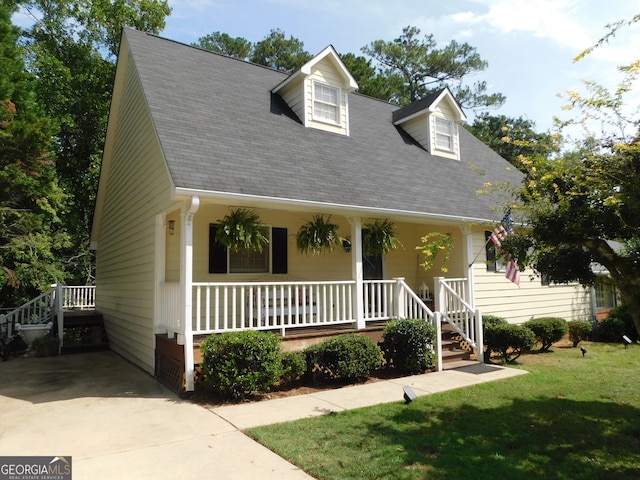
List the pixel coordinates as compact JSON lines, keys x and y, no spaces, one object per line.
{"x":47,"y":306}
{"x":228,"y":306}
{"x":453,"y":304}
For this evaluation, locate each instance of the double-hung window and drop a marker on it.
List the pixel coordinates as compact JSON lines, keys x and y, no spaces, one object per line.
{"x":444,"y":134}
{"x":326,"y":103}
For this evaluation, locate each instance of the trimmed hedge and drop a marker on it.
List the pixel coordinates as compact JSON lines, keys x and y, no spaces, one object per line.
{"x":408,"y":344}
{"x":237,"y":364}
{"x":548,"y":330}
{"x":294,"y":366}
{"x":510,"y":340}
{"x":349,"y":357}
{"x":488,"y":323}
{"x":579,"y":330}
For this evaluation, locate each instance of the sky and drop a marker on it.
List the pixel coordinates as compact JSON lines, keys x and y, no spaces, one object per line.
{"x":529,"y":44}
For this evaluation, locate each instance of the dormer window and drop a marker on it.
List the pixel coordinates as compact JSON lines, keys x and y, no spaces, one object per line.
{"x":326,"y":104}
{"x":433,"y":122}
{"x":318,"y":93}
{"x":444,"y":134}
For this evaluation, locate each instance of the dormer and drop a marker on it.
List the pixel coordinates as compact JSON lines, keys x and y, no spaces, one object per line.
{"x":433,"y":122}
{"x":318,"y":92}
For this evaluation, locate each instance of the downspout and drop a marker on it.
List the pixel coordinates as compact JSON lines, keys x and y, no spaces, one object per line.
{"x":186,"y":288}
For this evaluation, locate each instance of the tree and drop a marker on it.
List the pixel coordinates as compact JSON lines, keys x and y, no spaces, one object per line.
{"x":71,"y":50}
{"x":31,"y":234}
{"x":225,"y":44}
{"x":513,"y":138}
{"x":419,"y":68}
{"x":278,"y":52}
{"x":574,"y":208}
{"x":370,"y":82}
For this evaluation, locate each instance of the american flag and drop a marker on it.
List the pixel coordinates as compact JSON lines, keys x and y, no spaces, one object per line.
{"x":497,"y":236}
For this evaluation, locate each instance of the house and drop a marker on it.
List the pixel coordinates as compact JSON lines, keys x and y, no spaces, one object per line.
{"x":193,"y":135}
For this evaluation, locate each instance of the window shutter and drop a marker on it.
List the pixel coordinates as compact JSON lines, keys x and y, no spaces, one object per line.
{"x":279,"y":250}
{"x":217,"y":253}
{"x":490,"y":248}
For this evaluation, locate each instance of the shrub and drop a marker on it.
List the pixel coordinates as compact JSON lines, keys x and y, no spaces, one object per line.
{"x":293,"y":366}
{"x":488,"y":323}
{"x":622,"y":312}
{"x":579,"y":330}
{"x":548,"y":330}
{"x":510,"y":340}
{"x":611,"y":329}
{"x":408,"y":344}
{"x":350,"y":357}
{"x":236,"y":364}
{"x":47,"y":346}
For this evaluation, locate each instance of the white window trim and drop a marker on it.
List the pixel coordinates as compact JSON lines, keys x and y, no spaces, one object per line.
{"x":337,"y":105}
{"x":451,"y":136}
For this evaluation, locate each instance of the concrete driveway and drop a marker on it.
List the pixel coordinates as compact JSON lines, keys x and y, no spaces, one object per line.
{"x":116,"y":421}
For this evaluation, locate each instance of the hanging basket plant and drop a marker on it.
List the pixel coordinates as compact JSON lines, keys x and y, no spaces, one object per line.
{"x":379,"y":238}
{"x":433,"y":244}
{"x":241,"y":229}
{"x":318,"y":235}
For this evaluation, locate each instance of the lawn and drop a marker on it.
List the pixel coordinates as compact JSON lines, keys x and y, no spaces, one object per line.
{"x":571,"y":417}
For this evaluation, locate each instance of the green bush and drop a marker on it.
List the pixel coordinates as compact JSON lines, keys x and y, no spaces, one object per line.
{"x":349,"y":357}
{"x":237,"y":364}
{"x":579,"y":330}
{"x":488,"y":323}
{"x":510,"y":340}
{"x":47,"y":346}
{"x":622,"y":312}
{"x":548,"y":330}
{"x":294,"y":366}
{"x":611,"y":329}
{"x":408,"y":344}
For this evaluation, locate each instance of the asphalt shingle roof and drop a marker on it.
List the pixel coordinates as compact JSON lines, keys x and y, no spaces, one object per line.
{"x":222,"y":130}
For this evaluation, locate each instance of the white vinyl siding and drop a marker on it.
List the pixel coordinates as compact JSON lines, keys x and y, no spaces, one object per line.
{"x":136,"y":183}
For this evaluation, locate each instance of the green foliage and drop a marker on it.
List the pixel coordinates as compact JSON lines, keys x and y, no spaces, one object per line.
{"x":280,"y":53}
{"x":379,"y":237}
{"x":237,"y":364}
{"x":416,"y":68}
{"x":318,"y":235}
{"x":348,"y":357}
{"x":610,"y":329}
{"x":408,"y":344}
{"x":31,"y":202}
{"x":489,"y":322}
{"x":293,"y":366}
{"x":510,"y":340}
{"x":223,"y":43}
{"x":512,"y":138}
{"x":548,"y":330}
{"x":241,"y":229}
{"x":579,"y":330}
{"x":46,"y":346}
{"x":433,"y":244}
{"x":623,"y":312}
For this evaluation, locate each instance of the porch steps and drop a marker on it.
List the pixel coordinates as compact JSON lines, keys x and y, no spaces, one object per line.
{"x":455,"y":352}
{"x":84,"y":331}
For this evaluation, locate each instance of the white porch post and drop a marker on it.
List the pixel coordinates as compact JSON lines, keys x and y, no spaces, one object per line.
{"x":186,"y":287}
{"x":467,"y":259}
{"x":357,"y":273}
{"x":401,"y":308}
{"x":59,"y":307}
{"x":438,"y":294}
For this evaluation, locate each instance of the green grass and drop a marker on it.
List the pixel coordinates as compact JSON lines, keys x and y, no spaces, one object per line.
{"x":571,"y":417}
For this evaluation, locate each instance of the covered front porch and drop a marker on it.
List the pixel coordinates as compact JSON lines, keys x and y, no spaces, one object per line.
{"x":201,"y":289}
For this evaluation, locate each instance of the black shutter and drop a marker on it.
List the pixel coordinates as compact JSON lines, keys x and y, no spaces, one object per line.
{"x":279,"y":250}
{"x":490,"y":248}
{"x":217,"y":253}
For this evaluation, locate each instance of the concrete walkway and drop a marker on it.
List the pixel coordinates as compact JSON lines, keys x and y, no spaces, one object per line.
{"x":116,"y":421}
